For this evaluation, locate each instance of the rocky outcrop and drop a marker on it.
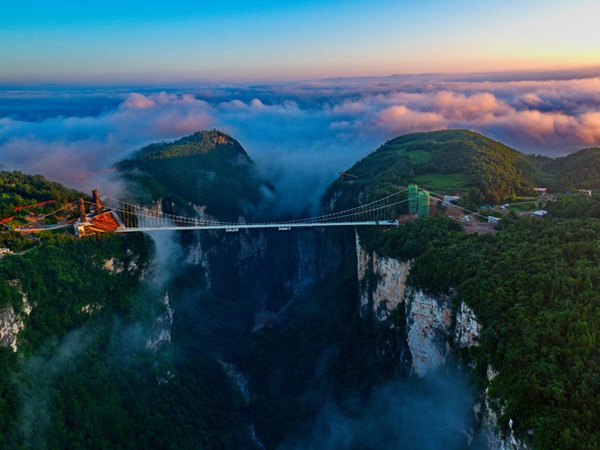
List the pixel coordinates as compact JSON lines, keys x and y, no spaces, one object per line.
{"x":91,"y":308}
{"x":237,"y":379}
{"x":434,"y":325}
{"x":11,"y":322}
{"x":467,"y":328}
{"x":429,"y":321}
{"x":196,"y":256}
{"x":382,"y":283}
{"x":161,"y":331}
{"x":113,"y":265}
{"x":496,"y":439}
{"x":10,"y":325}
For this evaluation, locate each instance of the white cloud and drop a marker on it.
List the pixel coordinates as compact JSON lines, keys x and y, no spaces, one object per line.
{"x":302,"y":134}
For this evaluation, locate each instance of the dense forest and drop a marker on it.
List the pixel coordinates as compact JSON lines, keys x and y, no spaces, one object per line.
{"x":579,"y":170}
{"x":207,"y":168}
{"x":458,"y":161}
{"x":19,"y":189}
{"x":85,"y":377}
{"x":534,"y":286}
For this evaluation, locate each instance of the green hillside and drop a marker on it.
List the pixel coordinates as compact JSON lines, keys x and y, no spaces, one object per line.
{"x":579,"y":170}
{"x":19,"y":189}
{"x":206,"y":168}
{"x":22,"y":194}
{"x":486,"y":171}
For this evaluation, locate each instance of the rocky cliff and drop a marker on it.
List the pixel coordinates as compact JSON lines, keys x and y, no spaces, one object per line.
{"x":434,"y":326}
{"x":11,"y":322}
{"x":382,"y":283}
{"x":10,"y":325}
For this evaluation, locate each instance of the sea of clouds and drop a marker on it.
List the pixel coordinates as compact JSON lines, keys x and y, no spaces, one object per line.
{"x":300,"y":134}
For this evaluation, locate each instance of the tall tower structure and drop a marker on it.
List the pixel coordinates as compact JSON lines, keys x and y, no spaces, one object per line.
{"x":413,"y":193}
{"x":424,"y":201}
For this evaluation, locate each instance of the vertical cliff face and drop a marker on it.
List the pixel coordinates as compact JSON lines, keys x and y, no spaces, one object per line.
{"x":10,"y":325}
{"x":277,"y":265}
{"x":196,"y":256}
{"x":161,"y":329}
{"x":429,"y":320}
{"x":490,"y":419}
{"x":309,"y":264}
{"x":467,"y":328}
{"x":382,"y":283}
{"x":434,"y":325}
{"x":11,"y":322}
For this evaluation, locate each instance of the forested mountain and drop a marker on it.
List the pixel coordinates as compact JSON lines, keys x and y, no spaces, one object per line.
{"x":578,"y":170}
{"x":207,"y":168}
{"x":89,"y":367}
{"x":485,"y":171}
{"x":265,"y":331}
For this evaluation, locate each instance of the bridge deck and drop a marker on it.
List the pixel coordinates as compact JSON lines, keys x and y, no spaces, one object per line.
{"x":242,"y":226}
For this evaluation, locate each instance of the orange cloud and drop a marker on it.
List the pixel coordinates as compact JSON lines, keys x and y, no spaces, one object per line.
{"x":400,"y":119}
{"x":138,"y":101}
{"x":589,"y":128}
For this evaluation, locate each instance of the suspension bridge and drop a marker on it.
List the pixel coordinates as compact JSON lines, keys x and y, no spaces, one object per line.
{"x":106,"y":214}
{"x":134,"y":218}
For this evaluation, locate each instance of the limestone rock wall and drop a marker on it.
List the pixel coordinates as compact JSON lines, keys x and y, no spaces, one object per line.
{"x":161,"y":331}
{"x":429,"y":321}
{"x":434,"y":325}
{"x":382,"y":281}
{"x":11,"y":323}
{"x":467,"y":328}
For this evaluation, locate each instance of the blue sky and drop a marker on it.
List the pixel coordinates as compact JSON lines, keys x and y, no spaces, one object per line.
{"x":161,"y":42}
{"x":85,"y":83}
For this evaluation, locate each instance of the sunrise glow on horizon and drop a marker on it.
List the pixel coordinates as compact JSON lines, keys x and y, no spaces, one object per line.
{"x":148,"y":42}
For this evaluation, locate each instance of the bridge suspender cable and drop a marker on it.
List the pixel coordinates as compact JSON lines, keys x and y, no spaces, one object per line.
{"x":137,"y":218}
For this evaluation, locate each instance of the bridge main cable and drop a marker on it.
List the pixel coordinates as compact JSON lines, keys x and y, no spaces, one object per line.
{"x":370,"y":213}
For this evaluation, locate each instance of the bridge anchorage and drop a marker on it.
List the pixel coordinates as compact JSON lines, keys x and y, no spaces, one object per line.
{"x":111,"y":215}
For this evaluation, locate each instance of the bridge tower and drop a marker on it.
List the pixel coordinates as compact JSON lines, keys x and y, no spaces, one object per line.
{"x":424,"y":200}
{"x":97,"y":201}
{"x":82,"y":214}
{"x":413,"y":193}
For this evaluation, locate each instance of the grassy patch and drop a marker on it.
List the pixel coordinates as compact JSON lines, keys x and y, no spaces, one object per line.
{"x":522,"y":207}
{"x":419,"y":157}
{"x":441,"y":181}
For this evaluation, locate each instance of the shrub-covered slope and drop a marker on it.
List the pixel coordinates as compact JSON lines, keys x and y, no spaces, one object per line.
{"x":453,"y":160}
{"x":206,"y":168}
{"x":579,"y":170}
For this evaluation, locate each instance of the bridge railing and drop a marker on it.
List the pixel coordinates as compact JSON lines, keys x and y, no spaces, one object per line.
{"x":138,"y":217}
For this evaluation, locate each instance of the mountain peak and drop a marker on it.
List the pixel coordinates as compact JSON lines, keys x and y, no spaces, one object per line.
{"x":448,"y":161}
{"x":200,"y":142}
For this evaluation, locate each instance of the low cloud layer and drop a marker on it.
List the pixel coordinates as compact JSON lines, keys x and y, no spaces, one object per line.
{"x":430,"y":414}
{"x":300,"y":134}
